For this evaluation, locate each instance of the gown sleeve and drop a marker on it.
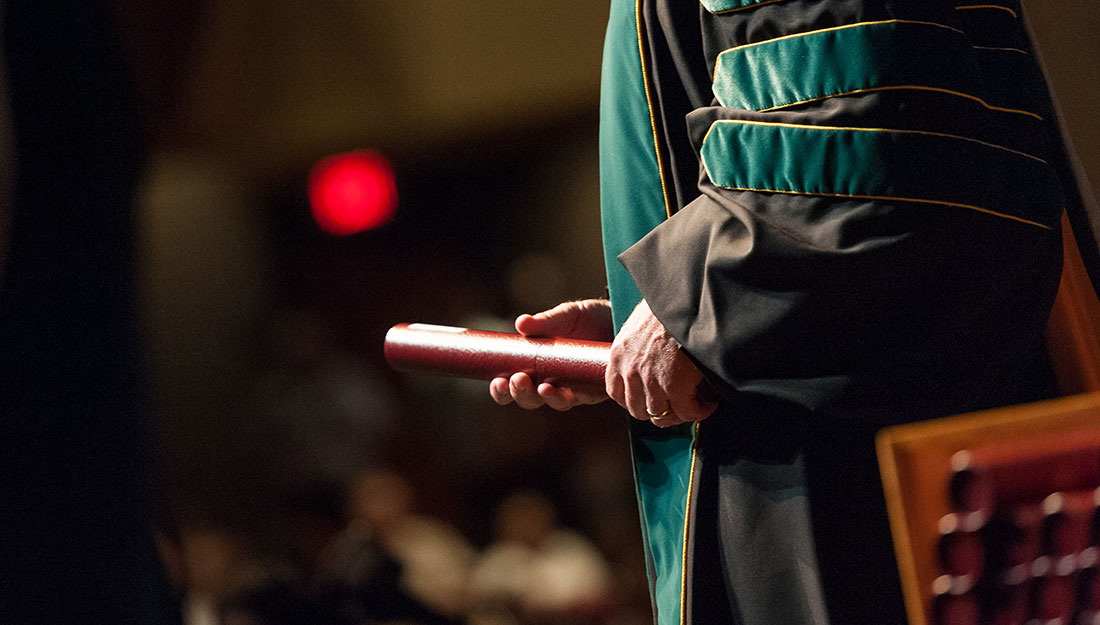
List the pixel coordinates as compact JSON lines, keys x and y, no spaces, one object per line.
{"x":875,"y":232}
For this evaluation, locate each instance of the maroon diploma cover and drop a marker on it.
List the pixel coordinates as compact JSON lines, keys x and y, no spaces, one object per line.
{"x":484,"y":355}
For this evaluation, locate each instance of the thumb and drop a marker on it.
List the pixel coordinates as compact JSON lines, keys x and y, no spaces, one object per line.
{"x":558,"y":321}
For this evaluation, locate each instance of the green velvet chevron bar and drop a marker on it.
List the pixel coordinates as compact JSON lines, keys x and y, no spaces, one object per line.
{"x":868,"y":163}
{"x":725,"y":6}
{"x":847,"y":59}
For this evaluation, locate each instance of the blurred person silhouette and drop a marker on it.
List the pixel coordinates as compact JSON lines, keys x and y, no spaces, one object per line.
{"x":269,"y":595}
{"x":537,"y":570}
{"x":326,"y":412}
{"x":315,"y":518}
{"x":79,"y":494}
{"x":209,"y":562}
{"x":360,"y":584}
{"x":435,"y":558}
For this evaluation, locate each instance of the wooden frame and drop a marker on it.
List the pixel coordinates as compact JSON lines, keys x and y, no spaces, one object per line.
{"x":916,"y":459}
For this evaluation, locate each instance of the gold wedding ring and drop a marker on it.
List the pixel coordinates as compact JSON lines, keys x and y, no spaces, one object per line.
{"x":658,"y":416}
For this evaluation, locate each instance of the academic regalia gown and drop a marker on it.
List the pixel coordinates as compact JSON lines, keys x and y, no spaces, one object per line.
{"x":846,"y":212}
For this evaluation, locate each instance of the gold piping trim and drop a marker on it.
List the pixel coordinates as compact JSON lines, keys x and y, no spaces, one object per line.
{"x":824,"y":30}
{"x":649,"y":104}
{"x":1024,"y":52}
{"x":986,"y":6}
{"x":896,"y":199}
{"x":687,"y":521}
{"x":746,"y":122}
{"x":755,"y":4}
{"x":914,"y":87}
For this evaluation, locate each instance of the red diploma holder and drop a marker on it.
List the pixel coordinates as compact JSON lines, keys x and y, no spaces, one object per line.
{"x":484,"y":355}
{"x":995,"y":514}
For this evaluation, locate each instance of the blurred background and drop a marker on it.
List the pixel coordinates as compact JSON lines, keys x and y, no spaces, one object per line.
{"x":264,"y":332}
{"x":279,"y":432}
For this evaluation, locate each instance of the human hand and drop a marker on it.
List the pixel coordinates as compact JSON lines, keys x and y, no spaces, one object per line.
{"x":588,"y":319}
{"x":651,"y":377}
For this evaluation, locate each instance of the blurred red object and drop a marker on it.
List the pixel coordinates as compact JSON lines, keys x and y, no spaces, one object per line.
{"x":352,"y":192}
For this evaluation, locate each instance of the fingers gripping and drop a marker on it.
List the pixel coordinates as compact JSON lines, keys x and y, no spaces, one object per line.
{"x":584,"y":319}
{"x":650,"y":376}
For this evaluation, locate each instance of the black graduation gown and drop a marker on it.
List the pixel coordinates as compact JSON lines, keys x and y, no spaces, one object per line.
{"x":846,"y":211}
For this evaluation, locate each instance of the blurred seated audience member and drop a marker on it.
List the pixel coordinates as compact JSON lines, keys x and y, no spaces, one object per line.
{"x":268,"y":595}
{"x":325,"y":410}
{"x":315,"y":517}
{"x":435,"y":558}
{"x":209,"y":560}
{"x":360,"y":584}
{"x":541,"y":572}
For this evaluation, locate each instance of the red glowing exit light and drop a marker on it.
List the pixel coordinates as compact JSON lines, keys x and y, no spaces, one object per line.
{"x":352,"y":192}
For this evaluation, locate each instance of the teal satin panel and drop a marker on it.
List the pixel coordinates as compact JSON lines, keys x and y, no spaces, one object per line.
{"x":725,"y":6}
{"x":843,"y":60}
{"x":662,"y":475}
{"x":632,"y":204}
{"x":896,"y":165}
{"x":631,"y":199}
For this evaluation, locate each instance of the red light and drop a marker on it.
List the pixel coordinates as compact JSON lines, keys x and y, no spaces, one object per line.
{"x":352,"y":192}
